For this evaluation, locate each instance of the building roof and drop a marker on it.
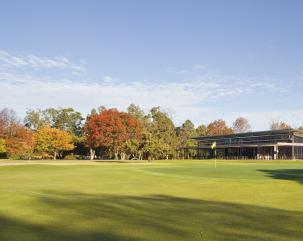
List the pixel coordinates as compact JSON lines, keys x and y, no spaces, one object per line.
{"x":295,"y":132}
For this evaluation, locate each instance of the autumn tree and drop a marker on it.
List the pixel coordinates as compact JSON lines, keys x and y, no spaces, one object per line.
{"x":279,"y":125}
{"x":111,"y":129}
{"x":20,"y":144}
{"x":218,"y":127}
{"x":241,"y":125}
{"x":18,"y":139}
{"x":52,"y":141}
{"x":2,"y":145}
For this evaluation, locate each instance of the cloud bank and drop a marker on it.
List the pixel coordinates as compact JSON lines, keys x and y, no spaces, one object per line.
{"x":193,"y":97}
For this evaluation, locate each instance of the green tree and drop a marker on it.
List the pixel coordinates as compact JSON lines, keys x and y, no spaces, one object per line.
{"x":136,"y":111}
{"x":185,"y":134}
{"x":132,"y":149}
{"x":66,"y":119}
{"x":155,"y":148}
{"x":162,"y":132}
{"x":34,"y":119}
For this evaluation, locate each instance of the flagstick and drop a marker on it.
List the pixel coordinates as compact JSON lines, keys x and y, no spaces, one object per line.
{"x":213,"y":147}
{"x":215,"y":158}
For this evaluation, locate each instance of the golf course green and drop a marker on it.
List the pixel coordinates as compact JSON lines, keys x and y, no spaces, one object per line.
{"x":176,"y":200}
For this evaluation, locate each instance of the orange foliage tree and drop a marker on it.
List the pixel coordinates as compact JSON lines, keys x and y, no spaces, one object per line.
{"x":111,"y":129}
{"x":52,"y":141}
{"x":218,"y":127}
{"x":21,"y":142}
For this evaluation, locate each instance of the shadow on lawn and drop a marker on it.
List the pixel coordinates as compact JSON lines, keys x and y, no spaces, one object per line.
{"x":285,"y":174}
{"x":83,"y":217}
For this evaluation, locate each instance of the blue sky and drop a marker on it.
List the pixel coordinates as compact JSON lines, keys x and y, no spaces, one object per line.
{"x":201,"y":60}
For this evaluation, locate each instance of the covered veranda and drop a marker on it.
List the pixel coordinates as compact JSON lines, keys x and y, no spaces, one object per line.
{"x":280,"y":150}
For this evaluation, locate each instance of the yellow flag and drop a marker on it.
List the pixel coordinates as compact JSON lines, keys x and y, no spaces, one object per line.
{"x":213,"y":145}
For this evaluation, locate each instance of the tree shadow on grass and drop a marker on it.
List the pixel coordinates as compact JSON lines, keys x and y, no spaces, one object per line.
{"x":285,"y":174}
{"x":84,"y":217}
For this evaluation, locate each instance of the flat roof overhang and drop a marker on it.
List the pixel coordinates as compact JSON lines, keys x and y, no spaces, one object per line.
{"x":246,"y":145}
{"x":295,"y":132}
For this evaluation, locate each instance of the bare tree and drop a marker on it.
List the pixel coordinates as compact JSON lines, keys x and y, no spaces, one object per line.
{"x":279,"y":125}
{"x":241,"y":125}
{"x":8,"y":121}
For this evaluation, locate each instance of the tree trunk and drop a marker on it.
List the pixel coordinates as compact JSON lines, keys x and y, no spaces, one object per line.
{"x":116,"y":155}
{"x":92,"y":154}
{"x":123,"y":155}
{"x":55,"y":155}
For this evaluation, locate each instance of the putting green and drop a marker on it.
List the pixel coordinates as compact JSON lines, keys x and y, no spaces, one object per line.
{"x":165,"y":200}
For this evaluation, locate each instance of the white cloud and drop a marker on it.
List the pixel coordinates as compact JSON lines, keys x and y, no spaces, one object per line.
{"x":184,"y":99}
{"x":33,"y":61}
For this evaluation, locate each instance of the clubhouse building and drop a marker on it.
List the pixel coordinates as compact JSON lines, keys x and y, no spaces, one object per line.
{"x":263,"y":145}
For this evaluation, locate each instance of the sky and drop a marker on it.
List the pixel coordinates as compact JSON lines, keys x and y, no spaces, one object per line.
{"x":198,"y":60}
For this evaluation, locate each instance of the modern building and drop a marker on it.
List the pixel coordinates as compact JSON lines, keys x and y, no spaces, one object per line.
{"x":278,"y":144}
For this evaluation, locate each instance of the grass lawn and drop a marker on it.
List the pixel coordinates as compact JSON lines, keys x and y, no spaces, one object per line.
{"x":161,"y":201}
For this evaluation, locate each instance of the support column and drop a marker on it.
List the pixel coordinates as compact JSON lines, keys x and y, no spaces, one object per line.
{"x":293,"y":157}
{"x":276,"y":151}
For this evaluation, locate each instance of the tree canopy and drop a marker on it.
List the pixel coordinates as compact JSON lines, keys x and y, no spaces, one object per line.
{"x":66,"y":119}
{"x":111,"y":129}
{"x":107,"y":133}
{"x":218,"y":127}
{"x":52,"y":141}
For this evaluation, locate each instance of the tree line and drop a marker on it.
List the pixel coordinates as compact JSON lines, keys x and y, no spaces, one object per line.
{"x":105,"y":134}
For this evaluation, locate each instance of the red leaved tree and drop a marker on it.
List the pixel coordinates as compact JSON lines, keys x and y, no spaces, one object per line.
{"x":111,"y":129}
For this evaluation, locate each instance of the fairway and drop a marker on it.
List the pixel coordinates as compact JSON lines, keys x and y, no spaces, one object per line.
{"x":160,"y":201}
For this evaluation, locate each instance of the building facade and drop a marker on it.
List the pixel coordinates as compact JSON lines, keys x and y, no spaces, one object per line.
{"x":266,"y":145}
